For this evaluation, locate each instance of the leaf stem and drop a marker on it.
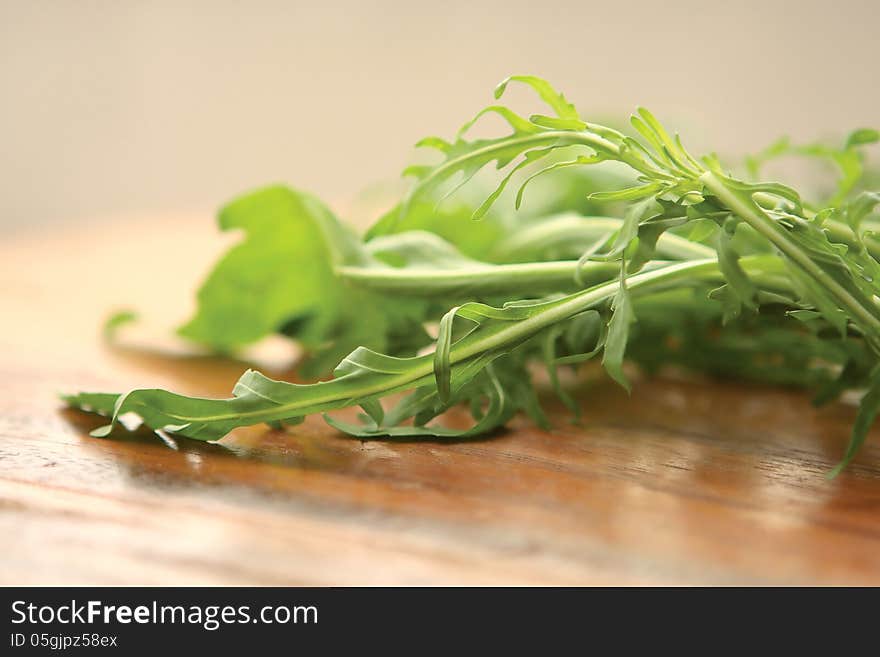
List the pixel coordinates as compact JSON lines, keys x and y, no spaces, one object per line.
{"x":340,"y":392}
{"x":745,"y":207}
{"x":527,"y":278}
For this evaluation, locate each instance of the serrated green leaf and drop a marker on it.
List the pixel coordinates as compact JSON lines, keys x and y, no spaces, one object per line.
{"x":869,"y":406}
{"x":738,"y":283}
{"x":556,"y":101}
{"x":618,"y":333}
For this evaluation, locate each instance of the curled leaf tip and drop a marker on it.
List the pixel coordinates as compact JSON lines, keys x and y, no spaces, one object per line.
{"x":101,"y":432}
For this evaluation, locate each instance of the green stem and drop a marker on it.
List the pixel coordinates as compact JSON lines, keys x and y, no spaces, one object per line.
{"x":339,"y":392}
{"x":482,"y":279}
{"x":574,"y":229}
{"x":527,"y":278}
{"x":560,"y":137}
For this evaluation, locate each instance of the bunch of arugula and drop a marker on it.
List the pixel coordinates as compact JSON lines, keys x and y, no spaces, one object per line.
{"x":729,"y":276}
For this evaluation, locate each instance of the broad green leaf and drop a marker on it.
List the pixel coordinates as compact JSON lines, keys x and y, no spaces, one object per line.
{"x":282,"y":278}
{"x":281,"y":271}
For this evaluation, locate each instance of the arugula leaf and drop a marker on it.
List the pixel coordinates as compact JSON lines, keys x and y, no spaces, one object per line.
{"x":556,"y":289}
{"x":365,"y":375}
{"x":280,"y":273}
{"x":282,"y":278}
{"x":869,"y":407}
{"x":618,"y":331}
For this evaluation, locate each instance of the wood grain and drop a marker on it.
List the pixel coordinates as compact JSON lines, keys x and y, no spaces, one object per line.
{"x":685,"y":482}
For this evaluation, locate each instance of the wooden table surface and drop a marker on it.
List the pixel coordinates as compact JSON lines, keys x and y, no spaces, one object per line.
{"x":685,"y":482}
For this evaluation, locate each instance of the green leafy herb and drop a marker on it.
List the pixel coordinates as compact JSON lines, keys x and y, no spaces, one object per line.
{"x":676,"y":262}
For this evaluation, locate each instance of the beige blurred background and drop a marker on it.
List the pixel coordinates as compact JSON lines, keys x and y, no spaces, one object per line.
{"x":122,"y":109}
